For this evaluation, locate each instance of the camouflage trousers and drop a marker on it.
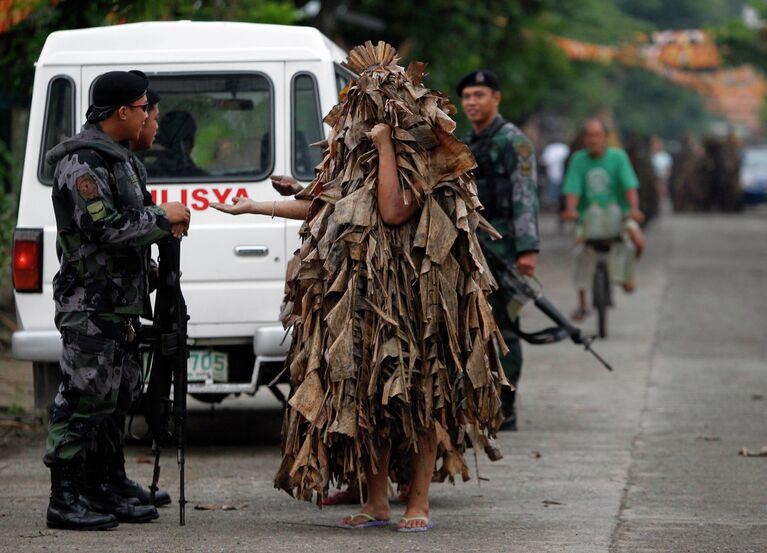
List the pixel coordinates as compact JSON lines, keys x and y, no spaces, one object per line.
{"x":100,"y":379}
{"x":501,"y":301}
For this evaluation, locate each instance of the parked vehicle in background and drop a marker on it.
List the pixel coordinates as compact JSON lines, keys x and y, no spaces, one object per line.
{"x":240,"y":102}
{"x":753,"y":175}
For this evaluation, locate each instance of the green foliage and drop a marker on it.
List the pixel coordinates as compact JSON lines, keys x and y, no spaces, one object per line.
{"x":21,"y":46}
{"x":10,"y":172}
{"x":597,"y":21}
{"x":7,"y":224}
{"x":682,"y":14}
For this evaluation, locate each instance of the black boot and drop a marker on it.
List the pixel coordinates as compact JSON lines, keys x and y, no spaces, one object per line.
{"x":98,"y":494}
{"x":508,"y":405}
{"x":131,"y":489}
{"x":65,"y":509}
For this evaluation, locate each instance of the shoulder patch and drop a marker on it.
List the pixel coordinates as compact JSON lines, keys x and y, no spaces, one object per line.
{"x":523,"y":148}
{"x":97,"y":210}
{"x":87,"y":187}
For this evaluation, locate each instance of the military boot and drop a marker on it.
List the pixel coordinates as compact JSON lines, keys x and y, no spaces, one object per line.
{"x":99,"y":495}
{"x":66,"y":510}
{"x":130,"y":489}
{"x":509,"y":408}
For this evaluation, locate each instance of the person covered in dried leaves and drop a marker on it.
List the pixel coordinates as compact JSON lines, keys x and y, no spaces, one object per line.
{"x":395,"y":352}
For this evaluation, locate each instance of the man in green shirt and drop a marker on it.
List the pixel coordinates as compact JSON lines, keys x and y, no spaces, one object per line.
{"x":601,"y":177}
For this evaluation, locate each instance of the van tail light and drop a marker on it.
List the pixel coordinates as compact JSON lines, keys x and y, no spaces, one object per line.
{"x":28,"y":260}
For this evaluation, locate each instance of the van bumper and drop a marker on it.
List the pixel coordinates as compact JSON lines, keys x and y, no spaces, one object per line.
{"x":270,"y":344}
{"x":36,"y":345}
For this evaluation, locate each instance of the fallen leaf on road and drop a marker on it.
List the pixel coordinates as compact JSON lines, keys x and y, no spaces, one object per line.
{"x":535,"y":454}
{"x":144,"y":460}
{"x":217,"y":507}
{"x":745,"y":452}
{"x":547,"y":502}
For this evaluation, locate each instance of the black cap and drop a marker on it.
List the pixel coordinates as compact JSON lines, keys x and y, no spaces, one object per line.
{"x":114,"y":89}
{"x":152,"y":97}
{"x":481,"y":77}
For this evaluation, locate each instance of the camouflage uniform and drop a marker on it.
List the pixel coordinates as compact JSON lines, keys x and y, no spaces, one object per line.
{"x":100,"y":291}
{"x":508,"y":190}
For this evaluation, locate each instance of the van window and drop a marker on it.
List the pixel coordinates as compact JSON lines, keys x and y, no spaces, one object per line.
{"x":343,"y":77}
{"x":213,"y":127}
{"x":306,"y":127}
{"x":59,"y":121}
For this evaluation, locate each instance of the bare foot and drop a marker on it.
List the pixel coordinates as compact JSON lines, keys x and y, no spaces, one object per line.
{"x":579,"y":314}
{"x":342,"y":497}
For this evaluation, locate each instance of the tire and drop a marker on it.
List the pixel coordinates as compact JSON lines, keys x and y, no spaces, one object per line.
{"x":601,"y":294}
{"x":46,"y":378}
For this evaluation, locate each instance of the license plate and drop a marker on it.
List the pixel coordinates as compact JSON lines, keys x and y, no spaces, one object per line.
{"x":206,"y":365}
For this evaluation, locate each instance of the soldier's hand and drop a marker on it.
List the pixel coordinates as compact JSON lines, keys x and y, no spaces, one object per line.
{"x":380,"y":134}
{"x":238,"y":206}
{"x":569,"y":215}
{"x":179,"y":230}
{"x":526,"y":263}
{"x":177,"y":213}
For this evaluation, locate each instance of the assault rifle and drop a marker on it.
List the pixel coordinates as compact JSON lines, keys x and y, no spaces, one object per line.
{"x":168,"y":356}
{"x":510,"y":279}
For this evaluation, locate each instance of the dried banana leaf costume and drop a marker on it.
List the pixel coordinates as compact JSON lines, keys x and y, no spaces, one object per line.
{"x":393,"y":335}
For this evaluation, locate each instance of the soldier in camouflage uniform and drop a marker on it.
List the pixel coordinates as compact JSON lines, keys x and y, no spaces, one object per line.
{"x":508,"y":189}
{"x":100,"y":291}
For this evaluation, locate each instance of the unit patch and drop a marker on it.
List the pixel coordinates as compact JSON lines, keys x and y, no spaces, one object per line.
{"x":87,"y":187}
{"x":96,"y":210}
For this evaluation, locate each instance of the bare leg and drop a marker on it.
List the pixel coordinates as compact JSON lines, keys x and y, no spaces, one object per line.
{"x":583,"y":300}
{"x":582,"y":310}
{"x":377,"y":500}
{"x":421,"y":471}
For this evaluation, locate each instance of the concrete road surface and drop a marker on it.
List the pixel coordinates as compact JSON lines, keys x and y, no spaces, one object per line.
{"x":645,"y":459}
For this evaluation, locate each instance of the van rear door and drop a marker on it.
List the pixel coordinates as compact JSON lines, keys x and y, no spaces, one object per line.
{"x":218,"y":139}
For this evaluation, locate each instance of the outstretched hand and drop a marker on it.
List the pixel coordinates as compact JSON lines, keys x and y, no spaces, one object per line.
{"x":238,"y":206}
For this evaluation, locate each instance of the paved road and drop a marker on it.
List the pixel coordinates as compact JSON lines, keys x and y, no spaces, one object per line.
{"x":641,"y":460}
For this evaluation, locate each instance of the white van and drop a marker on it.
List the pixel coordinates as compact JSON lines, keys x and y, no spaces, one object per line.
{"x":240,"y":102}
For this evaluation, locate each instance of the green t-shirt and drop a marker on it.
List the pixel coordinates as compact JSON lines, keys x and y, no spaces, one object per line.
{"x":603,"y":180}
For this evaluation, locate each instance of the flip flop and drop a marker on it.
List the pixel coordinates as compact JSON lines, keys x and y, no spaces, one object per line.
{"x":426,"y":528}
{"x":341,"y":497}
{"x":372,"y":522}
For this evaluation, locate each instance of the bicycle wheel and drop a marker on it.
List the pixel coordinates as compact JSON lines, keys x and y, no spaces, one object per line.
{"x":601,"y":295}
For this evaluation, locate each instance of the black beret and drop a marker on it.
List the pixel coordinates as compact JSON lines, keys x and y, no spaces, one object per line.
{"x":152,"y":97}
{"x":481,"y":77}
{"x":119,"y":88}
{"x":114,"y":89}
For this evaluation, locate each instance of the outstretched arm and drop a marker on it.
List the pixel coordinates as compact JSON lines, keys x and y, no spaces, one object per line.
{"x":291,"y":209}
{"x":395,"y":205}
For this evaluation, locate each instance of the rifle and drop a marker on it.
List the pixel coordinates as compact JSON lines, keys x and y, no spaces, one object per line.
{"x":510,"y":279}
{"x":168,"y":355}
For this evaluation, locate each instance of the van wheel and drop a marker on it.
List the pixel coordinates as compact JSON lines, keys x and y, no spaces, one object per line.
{"x":46,"y":378}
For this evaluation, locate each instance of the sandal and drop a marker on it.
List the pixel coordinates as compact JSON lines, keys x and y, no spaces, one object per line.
{"x":371,"y":522}
{"x":579,"y":314}
{"x":426,"y":528}
{"x":341,"y":497}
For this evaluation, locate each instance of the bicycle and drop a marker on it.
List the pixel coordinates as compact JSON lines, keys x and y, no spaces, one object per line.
{"x":601,"y":289}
